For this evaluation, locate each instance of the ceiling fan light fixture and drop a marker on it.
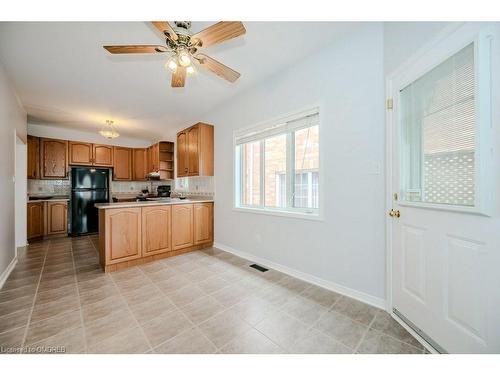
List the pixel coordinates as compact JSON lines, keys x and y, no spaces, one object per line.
{"x":183,"y":58}
{"x":171,"y":65}
{"x":182,"y":47}
{"x":109,"y":131}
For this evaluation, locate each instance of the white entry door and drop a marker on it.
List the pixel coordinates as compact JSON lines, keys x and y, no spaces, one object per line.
{"x":444,"y":233}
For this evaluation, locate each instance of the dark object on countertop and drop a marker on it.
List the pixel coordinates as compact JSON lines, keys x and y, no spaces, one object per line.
{"x":88,"y":187}
{"x":163,"y":190}
{"x":40,"y":197}
{"x":182,"y":197}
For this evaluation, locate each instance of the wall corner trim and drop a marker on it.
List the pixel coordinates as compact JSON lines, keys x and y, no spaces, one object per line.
{"x":334,"y":287}
{"x":5,"y":274}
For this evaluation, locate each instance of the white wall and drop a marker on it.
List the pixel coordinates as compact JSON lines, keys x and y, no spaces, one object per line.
{"x":21,"y":164}
{"x":348,"y":247}
{"x":403,"y":39}
{"x":60,"y":132}
{"x":12,"y":118}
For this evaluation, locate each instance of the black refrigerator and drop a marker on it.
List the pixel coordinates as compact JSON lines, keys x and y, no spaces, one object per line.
{"x":88,"y":187}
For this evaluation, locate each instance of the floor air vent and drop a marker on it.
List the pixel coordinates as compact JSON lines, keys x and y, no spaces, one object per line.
{"x":259,"y":268}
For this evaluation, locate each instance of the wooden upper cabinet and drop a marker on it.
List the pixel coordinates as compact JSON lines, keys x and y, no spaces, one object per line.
{"x":123,"y":234}
{"x":80,"y":153}
{"x":182,"y":226}
{"x":182,"y":154}
{"x":102,"y":155}
{"x":149,"y":160}
{"x":35,"y":220}
{"x":139,"y":164}
{"x":33,"y":157}
{"x":57,"y":217}
{"x":155,"y":156}
{"x":156,"y":230}
{"x":203,"y":223}
{"x":122,"y":163}
{"x":195,"y":151}
{"x":53,"y":158}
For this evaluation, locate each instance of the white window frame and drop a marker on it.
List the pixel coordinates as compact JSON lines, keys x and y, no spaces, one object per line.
{"x":483,"y":125}
{"x":289,"y":211}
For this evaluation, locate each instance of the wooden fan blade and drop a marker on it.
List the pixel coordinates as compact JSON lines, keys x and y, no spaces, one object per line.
{"x":135,"y":49}
{"x":165,"y":29}
{"x":179,"y":77}
{"x":218,"y":33}
{"x":218,"y":68}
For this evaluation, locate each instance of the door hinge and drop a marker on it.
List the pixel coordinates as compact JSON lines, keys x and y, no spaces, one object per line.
{"x":389,"y":104}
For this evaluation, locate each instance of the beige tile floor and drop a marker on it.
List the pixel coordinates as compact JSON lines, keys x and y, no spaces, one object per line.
{"x":57,"y":299}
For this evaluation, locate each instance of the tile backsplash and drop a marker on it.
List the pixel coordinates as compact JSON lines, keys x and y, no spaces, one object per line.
{"x":195,"y":185}
{"x":55,"y":187}
{"x":130,"y":187}
{"x":188,"y":185}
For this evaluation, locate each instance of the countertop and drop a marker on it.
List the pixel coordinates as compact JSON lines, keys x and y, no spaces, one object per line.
{"x":103,"y":206}
{"x":53,"y":198}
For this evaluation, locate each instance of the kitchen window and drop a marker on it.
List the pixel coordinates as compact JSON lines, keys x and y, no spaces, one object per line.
{"x":277,"y":166}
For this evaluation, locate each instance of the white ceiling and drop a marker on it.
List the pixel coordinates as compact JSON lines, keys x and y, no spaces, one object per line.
{"x":64,"y":77}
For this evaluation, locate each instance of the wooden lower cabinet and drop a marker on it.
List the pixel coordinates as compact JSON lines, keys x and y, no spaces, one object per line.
{"x":203,"y":219}
{"x":136,"y":235}
{"x":182,"y":226}
{"x":57,"y":218}
{"x":35,"y":220}
{"x":47,"y":218}
{"x":123,"y":234}
{"x":156,"y":230}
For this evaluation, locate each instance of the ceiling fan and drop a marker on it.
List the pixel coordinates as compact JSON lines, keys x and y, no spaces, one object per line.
{"x":183,"y":47}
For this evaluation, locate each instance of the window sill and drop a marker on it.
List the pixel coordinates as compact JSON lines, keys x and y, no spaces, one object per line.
{"x":291,"y":214}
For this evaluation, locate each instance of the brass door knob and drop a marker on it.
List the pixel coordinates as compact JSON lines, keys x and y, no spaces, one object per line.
{"x":394,"y":213}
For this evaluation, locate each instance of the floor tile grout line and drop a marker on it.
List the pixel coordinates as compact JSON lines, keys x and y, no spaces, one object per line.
{"x":356,"y":348}
{"x":182,"y":312}
{"x":51,"y":317}
{"x":194,"y":282}
{"x":23,"y":343}
{"x":197,"y":325}
{"x":309,"y":327}
{"x":129,"y":310}
{"x":131,"y":313}
{"x":391,"y":336}
{"x":79,"y":299}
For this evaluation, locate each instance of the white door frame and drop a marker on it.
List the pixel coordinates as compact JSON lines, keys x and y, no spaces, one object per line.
{"x":390,"y":122}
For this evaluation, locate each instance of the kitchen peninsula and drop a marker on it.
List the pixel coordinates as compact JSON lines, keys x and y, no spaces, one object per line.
{"x":133,"y":233}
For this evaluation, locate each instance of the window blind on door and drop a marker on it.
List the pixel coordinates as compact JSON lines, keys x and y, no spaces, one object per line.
{"x":438,"y":133}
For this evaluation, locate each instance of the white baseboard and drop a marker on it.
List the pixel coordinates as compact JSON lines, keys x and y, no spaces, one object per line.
{"x":5,"y":274}
{"x":334,"y":287}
